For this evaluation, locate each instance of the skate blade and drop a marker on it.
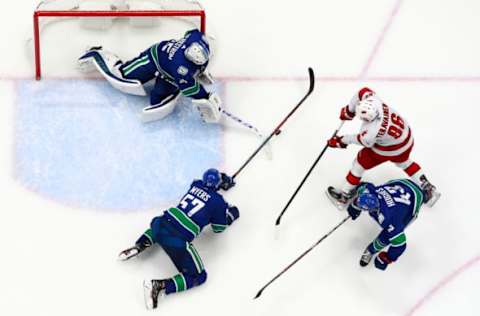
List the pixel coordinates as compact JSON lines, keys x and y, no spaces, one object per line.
{"x":340,"y":206}
{"x":147,"y":290}
{"x":434,"y":199}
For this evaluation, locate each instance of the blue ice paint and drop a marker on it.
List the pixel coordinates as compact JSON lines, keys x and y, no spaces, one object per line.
{"x":82,"y":143}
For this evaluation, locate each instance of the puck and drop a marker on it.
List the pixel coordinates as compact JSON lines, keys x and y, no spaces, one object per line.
{"x":278,"y":132}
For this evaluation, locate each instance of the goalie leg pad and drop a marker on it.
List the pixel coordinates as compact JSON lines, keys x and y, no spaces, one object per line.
{"x":160,"y":110}
{"x":209,"y":109}
{"x":107,"y":64}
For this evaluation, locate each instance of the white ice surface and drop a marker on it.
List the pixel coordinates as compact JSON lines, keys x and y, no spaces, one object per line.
{"x":59,"y":260}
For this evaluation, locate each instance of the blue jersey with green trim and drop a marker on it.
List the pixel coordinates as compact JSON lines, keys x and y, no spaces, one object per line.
{"x":400,"y":202}
{"x":170,"y":60}
{"x":199,"y":207}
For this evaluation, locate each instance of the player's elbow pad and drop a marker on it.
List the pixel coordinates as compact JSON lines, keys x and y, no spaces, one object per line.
{"x":232,"y":214}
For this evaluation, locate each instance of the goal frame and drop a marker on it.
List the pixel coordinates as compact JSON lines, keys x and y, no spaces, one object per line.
{"x":77,"y":13}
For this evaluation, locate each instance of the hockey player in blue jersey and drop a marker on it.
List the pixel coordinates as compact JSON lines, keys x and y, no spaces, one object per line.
{"x":394,"y":206}
{"x":175,"y":230}
{"x":177,"y":67}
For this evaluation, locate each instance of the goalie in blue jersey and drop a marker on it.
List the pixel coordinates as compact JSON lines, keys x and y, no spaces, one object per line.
{"x":175,"y":230}
{"x":175,"y":67}
{"x":394,"y":206}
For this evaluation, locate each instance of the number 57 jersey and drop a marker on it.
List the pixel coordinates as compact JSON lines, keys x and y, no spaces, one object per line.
{"x":199,"y":207}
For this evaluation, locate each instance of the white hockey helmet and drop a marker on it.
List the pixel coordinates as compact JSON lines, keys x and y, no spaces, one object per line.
{"x":197,"y":53}
{"x":368,"y":109}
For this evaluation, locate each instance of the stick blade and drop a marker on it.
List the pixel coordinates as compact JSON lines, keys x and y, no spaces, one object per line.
{"x":258,"y":294}
{"x":277,"y":222}
{"x":311,"y":76}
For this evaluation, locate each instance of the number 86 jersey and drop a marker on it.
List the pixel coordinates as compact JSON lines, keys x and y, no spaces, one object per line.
{"x":199,"y":207}
{"x":389,"y":135}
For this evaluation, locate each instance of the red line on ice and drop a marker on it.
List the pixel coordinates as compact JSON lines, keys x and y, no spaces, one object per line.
{"x":380,"y":39}
{"x":444,"y":282}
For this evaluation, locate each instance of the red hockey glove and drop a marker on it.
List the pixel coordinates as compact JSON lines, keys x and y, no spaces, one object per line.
{"x":346,"y":115}
{"x":336,"y":142}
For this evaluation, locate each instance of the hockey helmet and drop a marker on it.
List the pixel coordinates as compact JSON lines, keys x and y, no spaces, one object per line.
{"x":369,"y":108}
{"x":368,"y":202}
{"x":212,"y":178}
{"x":198,"y":52}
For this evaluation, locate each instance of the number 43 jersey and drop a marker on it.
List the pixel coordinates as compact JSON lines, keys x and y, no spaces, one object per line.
{"x":198,"y":208}
{"x":389,"y":135}
{"x":400,"y":202}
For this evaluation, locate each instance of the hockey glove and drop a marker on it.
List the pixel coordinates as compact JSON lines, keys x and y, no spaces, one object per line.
{"x":232,"y":214}
{"x":227,"y":182}
{"x":336,"y":142}
{"x":382,"y":261}
{"x":346,"y":115}
{"x":353,"y":211}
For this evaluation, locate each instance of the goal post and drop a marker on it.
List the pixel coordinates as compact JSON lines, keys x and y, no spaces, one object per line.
{"x":75,"y":12}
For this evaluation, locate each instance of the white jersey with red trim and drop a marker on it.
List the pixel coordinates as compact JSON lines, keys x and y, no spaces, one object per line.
{"x":388,"y":135}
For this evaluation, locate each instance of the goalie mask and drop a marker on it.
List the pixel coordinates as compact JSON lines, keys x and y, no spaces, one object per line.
{"x":198,"y":53}
{"x":369,"y":108}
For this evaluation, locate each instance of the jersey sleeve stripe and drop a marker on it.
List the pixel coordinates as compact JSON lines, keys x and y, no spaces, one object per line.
{"x":191,"y":90}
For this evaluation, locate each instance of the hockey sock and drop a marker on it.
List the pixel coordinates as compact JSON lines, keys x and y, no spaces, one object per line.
{"x":146,"y":240}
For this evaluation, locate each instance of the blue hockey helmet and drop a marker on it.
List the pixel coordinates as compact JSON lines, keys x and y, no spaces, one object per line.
{"x":368,"y":202}
{"x":212,"y":178}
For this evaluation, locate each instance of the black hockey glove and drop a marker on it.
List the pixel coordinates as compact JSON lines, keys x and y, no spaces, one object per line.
{"x":227,"y":182}
{"x":353,"y":211}
{"x":232,"y":214}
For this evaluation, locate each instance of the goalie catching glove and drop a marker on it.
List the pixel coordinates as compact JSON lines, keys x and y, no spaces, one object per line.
{"x":210,"y":108}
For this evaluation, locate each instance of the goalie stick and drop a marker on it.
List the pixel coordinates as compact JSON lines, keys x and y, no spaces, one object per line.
{"x":277,"y":130}
{"x":267,"y":150}
{"x":301,"y":256}
{"x":279,"y":218}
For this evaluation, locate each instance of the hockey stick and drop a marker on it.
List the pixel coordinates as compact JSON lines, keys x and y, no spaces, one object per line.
{"x":268,"y":150}
{"x":300,"y":257}
{"x":241,"y":122}
{"x":277,"y":130}
{"x":306,"y":176}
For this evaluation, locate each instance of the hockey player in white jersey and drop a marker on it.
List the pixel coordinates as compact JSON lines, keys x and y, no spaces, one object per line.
{"x":385,"y":136}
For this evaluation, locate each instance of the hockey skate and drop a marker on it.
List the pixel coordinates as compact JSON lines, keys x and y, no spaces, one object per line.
{"x":85,"y":64}
{"x":133,"y":251}
{"x":430,"y":192}
{"x":152,"y":290}
{"x":339,"y":198}
{"x":366,"y":258}
{"x":129,"y":253}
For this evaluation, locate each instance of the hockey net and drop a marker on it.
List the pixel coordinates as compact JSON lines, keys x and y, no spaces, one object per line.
{"x":126,"y":26}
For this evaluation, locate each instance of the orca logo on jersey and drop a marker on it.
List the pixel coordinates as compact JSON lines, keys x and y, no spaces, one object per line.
{"x":200,"y":194}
